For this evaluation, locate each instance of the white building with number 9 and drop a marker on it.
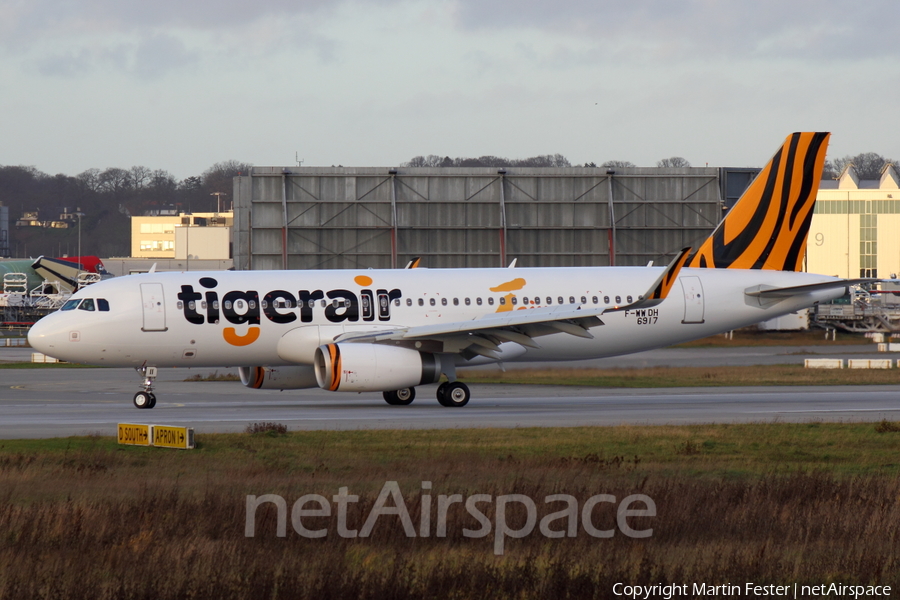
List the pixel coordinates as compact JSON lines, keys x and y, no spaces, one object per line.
{"x":855,"y":229}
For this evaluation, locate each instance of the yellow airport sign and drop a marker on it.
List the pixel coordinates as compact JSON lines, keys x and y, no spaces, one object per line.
{"x":134,"y":435}
{"x":165,"y":436}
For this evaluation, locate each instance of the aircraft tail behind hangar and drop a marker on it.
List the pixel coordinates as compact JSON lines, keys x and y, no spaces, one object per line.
{"x":768,"y":225}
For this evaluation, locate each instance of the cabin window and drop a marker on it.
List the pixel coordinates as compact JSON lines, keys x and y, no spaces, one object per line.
{"x":605,"y":299}
{"x":408,"y":301}
{"x":629,"y":299}
{"x":478,"y":301}
{"x":618,"y":299}
{"x":537,"y":299}
{"x":549,"y":300}
{"x":397,"y":302}
{"x":515,"y":300}
{"x":103,"y":305}
{"x":559,"y":300}
{"x":431,"y":301}
{"x":228,"y":305}
{"x":252,"y":304}
{"x":571,"y":299}
{"x":502,"y":299}
{"x":71,"y":304}
{"x":525,"y":300}
{"x":324,"y":303}
{"x":421,"y":302}
{"x":443,"y":301}
{"x":203,"y":305}
{"x":583,"y":300}
{"x":468,"y":302}
{"x":456,"y":302}
{"x":491,"y":301}
{"x":594,"y":299}
{"x":179,"y":304}
{"x":191,"y":305}
{"x":87,"y":304}
{"x":216,"y":304}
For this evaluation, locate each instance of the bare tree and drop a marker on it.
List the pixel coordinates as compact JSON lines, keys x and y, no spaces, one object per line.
{"x":218,"y":178}
{"x":674,"y":161}
{"x":89,"y":180}
{"x":618,"y":163}
{"x":114,"y":180}
{"x":139,"y":177}
{"x":488,"y":160}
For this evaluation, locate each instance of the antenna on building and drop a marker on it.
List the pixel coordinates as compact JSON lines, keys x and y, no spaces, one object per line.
{"x":297,"y":159}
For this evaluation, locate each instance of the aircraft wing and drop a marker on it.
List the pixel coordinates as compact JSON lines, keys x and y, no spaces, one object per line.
{"x":483,"y":335}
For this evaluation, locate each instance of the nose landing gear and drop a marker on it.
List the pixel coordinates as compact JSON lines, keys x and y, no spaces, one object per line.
{"x":146,"y":398}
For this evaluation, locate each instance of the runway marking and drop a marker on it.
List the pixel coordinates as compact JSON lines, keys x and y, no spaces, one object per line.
{"x":824,"y":410}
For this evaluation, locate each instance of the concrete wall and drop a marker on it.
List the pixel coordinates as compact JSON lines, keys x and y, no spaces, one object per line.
{"x":202,"y":242}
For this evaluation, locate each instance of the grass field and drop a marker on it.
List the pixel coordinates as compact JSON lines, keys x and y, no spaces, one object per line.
{"x":751,"y":336}
{"x":768,"y":503}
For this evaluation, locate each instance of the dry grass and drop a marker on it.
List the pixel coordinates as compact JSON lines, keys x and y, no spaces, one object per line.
{"x":651,"y":377}
{"x":751,"y":336}
{"x":214,"y":376}
{"x":270,"y":429}
{"x":84,"y":518}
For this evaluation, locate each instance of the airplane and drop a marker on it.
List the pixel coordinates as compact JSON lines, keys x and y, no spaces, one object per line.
{"x":390,"y":331}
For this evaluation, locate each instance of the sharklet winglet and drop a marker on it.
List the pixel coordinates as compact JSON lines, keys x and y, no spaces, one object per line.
{"x":660,"y":288}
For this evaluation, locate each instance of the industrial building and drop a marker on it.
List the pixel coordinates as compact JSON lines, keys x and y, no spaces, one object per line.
{"x":854,"y":226}
{"x":182,"y":236}
{"x":335,"y":218}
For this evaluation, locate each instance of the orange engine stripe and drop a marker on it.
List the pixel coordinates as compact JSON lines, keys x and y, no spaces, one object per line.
{"x":335,"y":354}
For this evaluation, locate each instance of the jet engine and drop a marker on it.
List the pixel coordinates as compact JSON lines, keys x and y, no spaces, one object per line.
{"x":278,"y":378}
{"x":362,"y":367}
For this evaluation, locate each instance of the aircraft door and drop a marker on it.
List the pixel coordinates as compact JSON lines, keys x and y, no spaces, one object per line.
{"x":693,"y":299}
{"x":154,"y":307}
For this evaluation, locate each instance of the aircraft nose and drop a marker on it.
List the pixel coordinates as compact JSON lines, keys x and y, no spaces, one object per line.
{"x":45,"y":336}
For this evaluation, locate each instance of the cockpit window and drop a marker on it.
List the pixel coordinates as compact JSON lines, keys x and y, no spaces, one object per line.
{"x":102,"y":304}
{"x":87,"y":304}
{"x":71,"y":304}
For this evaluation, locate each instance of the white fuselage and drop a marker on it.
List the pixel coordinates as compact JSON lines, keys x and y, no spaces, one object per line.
{"x":184,"y":319}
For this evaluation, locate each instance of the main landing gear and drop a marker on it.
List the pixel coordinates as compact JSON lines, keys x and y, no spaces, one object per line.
{"x":449,"y":394}
{"x":146,"y":398}
{"x":402,"y":397}
{"x":454,"y":393}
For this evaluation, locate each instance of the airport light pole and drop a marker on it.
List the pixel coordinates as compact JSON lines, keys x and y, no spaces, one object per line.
{"x":79,"y":214}
{"x":218,"y":196}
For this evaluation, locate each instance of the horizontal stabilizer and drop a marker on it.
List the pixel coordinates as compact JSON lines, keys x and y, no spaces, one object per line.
{"x":660,"y":288}
{"x":762,"y":291}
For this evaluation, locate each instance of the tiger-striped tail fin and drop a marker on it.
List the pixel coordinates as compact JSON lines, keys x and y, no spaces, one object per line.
{"x":768,"y":225}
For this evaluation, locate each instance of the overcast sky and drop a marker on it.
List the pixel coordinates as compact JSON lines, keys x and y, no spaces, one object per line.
{"x":182,"y":84}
